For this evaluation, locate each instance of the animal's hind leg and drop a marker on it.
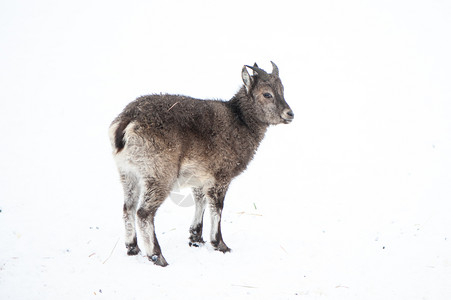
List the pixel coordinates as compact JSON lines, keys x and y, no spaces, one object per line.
{"x":131,"y":198}
{"x":153,"y":195}
{"x":195,"y":230}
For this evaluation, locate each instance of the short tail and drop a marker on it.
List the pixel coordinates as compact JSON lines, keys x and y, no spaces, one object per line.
{"x":118,"y":137}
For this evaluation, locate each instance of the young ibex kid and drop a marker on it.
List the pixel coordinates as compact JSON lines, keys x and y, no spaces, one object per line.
{"x":159,"y":140}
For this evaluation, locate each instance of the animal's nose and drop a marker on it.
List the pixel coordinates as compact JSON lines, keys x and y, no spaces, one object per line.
{"x":288,"y":114}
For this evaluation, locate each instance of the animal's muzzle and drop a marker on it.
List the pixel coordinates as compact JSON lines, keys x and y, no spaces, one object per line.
{"x":287,"y":115}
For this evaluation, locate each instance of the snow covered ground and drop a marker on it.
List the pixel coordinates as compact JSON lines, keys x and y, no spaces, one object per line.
{"x":350,"y":201}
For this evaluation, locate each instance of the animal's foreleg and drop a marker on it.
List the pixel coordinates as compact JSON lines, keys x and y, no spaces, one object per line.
{"x":216,"y":197}
{"x":195,"y":229}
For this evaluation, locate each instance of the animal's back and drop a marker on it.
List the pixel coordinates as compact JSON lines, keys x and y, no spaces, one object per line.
{"x":174,"y":112}
{"x":169,"y":117}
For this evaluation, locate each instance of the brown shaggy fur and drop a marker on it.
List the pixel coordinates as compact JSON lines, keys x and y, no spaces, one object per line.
{"x":161,"y":139}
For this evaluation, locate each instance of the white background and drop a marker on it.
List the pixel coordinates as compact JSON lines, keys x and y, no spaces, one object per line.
{"x":350,"y":201}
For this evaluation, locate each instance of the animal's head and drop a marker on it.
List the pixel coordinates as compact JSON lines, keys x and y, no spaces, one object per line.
{"x":266,"y":92}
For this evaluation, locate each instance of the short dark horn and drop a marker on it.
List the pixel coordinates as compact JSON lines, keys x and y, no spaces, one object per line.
{"x":275,"y":69}
{"x":261,"y":73}
{"x":255,"y":66}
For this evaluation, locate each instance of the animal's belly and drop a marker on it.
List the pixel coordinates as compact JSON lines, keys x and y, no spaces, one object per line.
{"x":192,"y":175}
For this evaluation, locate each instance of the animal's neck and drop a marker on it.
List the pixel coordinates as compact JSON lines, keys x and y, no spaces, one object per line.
{"x":243,"y":107}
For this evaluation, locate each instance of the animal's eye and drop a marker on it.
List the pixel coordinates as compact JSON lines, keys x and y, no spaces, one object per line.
{"x":267,"y":95}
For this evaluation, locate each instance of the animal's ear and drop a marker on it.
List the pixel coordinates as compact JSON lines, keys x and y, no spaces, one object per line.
{"x":247,"y":79}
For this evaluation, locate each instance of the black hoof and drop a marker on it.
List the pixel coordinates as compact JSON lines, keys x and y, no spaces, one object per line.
{"x":196,"y":241}
{"x":196,"y":244}
{"x":132,"y":250}
{"x":158,"y":259}
{"x":224,"y":249}
{"x":221,"y":246}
